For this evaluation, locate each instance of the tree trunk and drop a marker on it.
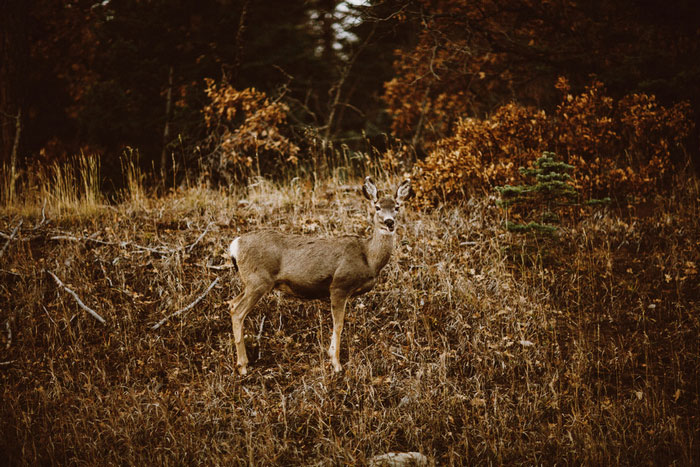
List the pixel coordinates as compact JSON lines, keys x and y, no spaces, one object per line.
{"x":166,"y":129}
{"x":13,"y":46}
{"x":239,"y":43}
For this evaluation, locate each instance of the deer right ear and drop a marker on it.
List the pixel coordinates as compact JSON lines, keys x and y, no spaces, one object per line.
{"x":404,"y":191}
{"x":369,"y":189}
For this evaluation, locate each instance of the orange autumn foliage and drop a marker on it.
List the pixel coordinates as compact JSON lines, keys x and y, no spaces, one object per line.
{"x":618,"y":147}
{"x":246,"y":125}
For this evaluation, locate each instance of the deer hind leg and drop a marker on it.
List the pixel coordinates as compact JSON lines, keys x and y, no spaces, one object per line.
{"x":240,"y":307}
{"x":338,"y":301}
{"x":234,"y":301}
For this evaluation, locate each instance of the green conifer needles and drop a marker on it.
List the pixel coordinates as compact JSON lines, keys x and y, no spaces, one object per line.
{"x":552,"y":188}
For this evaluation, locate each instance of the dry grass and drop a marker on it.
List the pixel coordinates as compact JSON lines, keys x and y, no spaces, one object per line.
{"x":60,"y":190}
{"x":589,"y":356}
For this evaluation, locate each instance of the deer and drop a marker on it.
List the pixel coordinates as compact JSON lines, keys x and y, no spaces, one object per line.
{"x":314,"y":267}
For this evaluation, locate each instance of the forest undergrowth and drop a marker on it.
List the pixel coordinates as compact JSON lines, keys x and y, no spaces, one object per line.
{"x":472,"y":348}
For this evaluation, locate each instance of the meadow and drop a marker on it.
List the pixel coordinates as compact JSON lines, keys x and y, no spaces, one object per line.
{"x":476,"y":347}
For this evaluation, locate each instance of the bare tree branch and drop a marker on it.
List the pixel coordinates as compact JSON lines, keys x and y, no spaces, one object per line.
{"x":337,"y":88}
{"x":8,"y":328}
{"x":10,"y":238}
{"x":77,"y":299}
{"x":166,"y":128}
{"x":163,"y":250}
{"x":189,"y":248}
{"x":160,"y":251}
{"x":219,"y":267}
{"x":43,"y":216}
{"x":15,"y":145}
{"x":188,"y":307}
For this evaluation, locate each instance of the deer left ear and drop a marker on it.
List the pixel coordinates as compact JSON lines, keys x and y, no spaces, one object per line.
{"x":403,"y":192}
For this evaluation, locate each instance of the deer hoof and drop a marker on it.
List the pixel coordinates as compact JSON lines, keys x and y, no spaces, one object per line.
{"x":243,"y":370}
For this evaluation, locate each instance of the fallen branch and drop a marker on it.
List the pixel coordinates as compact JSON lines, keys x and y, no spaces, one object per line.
{"x":188,"y":307}
{"x":86,"y":239}
{"x":47,"y":314}
{"x":77,"y":299}
{"x":189,"y":248}
{"x":219,"y":267}
{"x":163,"y":250}
{"x":43,"y":216}
{"x":10,"y":238}
{"x":12,"y":273}
{"x":9,"y":334}
{"x":158,"y":251}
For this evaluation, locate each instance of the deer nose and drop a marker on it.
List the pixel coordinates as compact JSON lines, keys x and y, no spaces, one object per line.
{"x":389,"y":223}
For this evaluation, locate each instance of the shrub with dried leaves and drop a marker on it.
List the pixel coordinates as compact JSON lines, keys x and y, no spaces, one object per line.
{"x":247,"y":130}
{"x":619,"y":147}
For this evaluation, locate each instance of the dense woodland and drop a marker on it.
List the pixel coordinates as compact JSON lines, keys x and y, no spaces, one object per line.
{"x":98,"y":77}
{"x":541,"y":305}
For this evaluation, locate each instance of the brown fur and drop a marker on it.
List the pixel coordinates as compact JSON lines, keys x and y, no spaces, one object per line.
{"x":309,"y":267}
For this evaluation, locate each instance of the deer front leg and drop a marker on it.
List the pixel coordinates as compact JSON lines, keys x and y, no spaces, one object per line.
{"x":338,"y":301}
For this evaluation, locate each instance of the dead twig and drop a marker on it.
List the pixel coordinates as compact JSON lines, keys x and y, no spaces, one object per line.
{"x":9,"y":334}
{"x":86,"y":239}
{"x":188,"y":307}
{"x":164,"y":250}
{"x":219,"y":267}
{"x":189,"y":248}
{"x":257,"y":338}
{"x":77,"y":299}
{"x":47,"y":314}
{"x":5,"y":271}
{"x":10,"y":238}
{"x":160,"y":251}
{"x":43,"y":216}
{"x":104,"y":271}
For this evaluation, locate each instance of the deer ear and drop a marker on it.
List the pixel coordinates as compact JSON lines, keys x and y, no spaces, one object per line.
{"x":403,"y":192}
{"x":369,"y":189}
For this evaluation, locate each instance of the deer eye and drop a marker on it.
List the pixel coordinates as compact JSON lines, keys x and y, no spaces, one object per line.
{"x":376,"y":206}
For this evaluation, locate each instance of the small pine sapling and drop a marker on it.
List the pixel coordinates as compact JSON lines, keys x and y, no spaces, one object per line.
{"x":551,"y":189}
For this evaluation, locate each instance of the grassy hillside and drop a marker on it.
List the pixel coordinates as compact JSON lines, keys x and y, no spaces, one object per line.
{"x":472,"y":349}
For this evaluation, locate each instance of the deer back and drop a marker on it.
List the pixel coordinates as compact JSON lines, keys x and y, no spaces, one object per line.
{"x":300,"y":265}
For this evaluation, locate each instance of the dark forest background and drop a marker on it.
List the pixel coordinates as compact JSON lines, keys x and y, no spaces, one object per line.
{"x":98,"y":77}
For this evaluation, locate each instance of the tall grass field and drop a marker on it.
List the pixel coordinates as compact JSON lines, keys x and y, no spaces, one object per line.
{"x":475,"y":347}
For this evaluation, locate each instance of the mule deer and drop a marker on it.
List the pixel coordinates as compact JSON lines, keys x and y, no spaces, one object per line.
{"x":309,"y":267}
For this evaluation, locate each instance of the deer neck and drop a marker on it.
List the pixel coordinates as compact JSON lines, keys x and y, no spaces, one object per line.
{"x":379,"y":248}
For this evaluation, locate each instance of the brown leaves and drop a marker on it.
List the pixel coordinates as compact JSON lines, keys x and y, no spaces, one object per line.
{"x":617,"y":147}
{"x":622,"y":147}
{"x":482,"y":153}
{"x":245,"y":123}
